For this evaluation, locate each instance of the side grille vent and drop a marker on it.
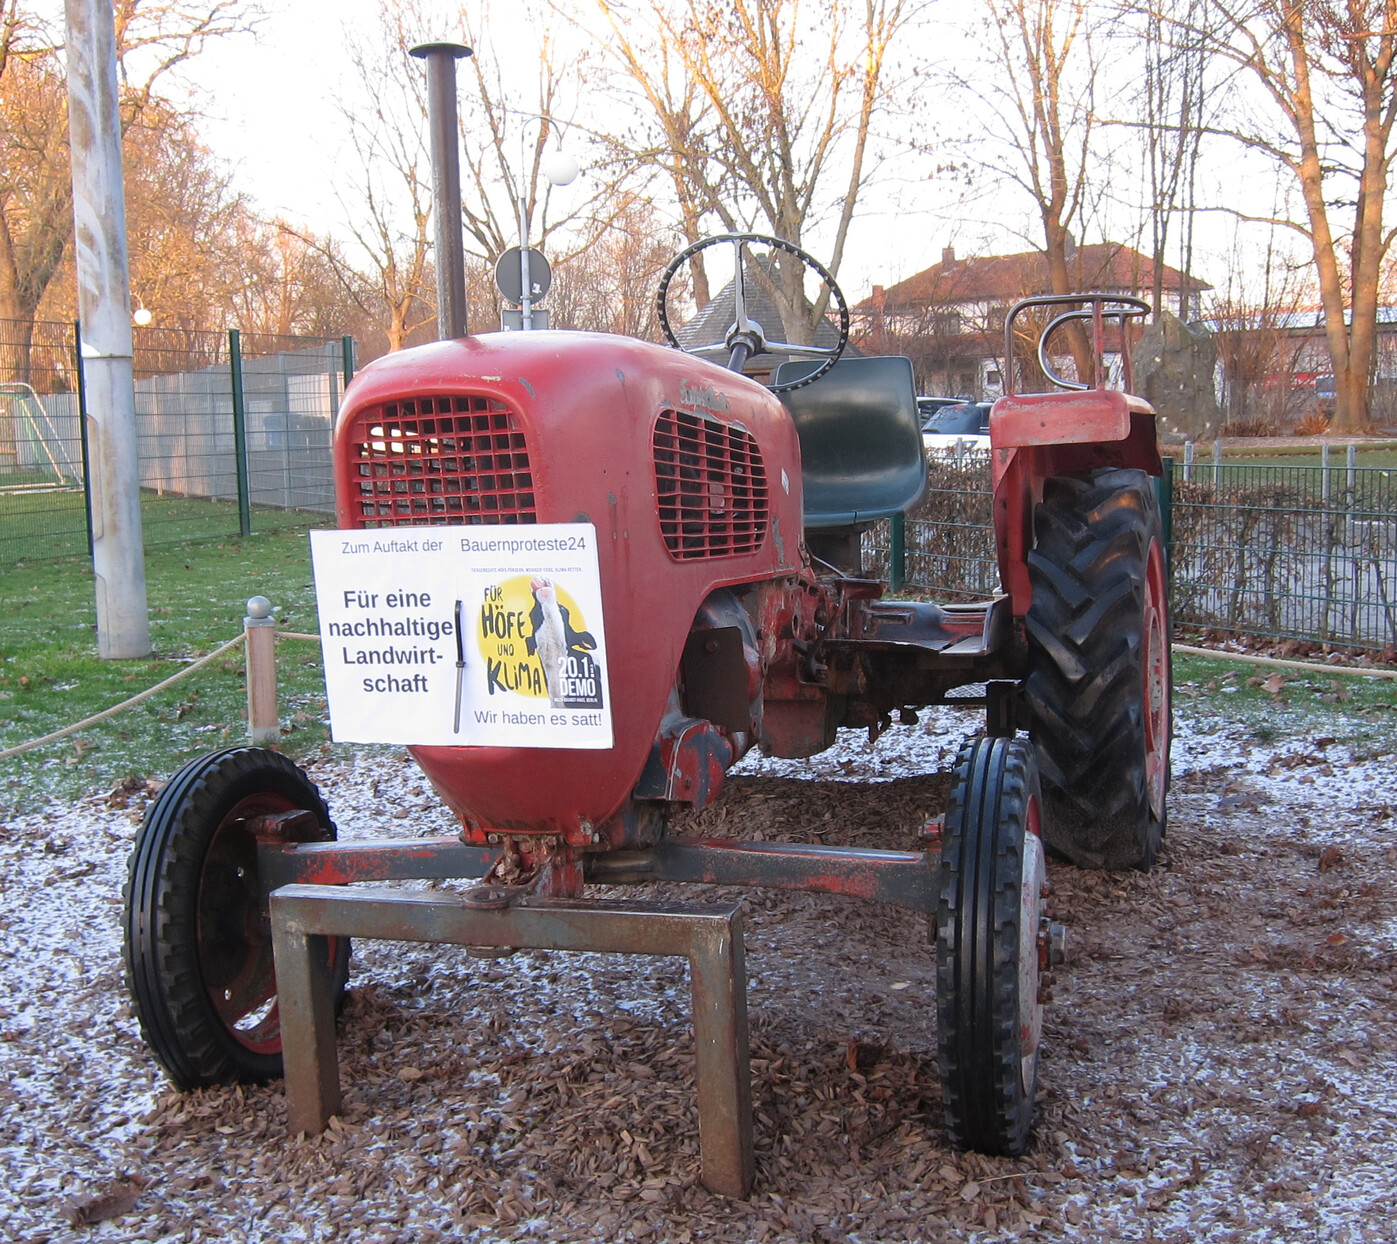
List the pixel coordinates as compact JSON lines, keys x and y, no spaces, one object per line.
{"x":440,"y":460}
{"x":711,"y":486}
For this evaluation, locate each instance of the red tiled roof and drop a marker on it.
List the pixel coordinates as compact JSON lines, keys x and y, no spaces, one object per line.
{"x":1107,"y":266}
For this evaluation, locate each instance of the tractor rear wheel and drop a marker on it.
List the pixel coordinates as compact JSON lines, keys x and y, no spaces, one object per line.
{"x":991,"y":946}
{"x":197,"y":936}
{"x":1098,"y":688}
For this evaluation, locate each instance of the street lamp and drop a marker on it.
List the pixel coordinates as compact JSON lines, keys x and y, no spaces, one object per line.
{"x":560,"y":169}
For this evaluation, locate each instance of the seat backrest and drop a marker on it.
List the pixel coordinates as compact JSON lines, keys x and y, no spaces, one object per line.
{"x":860,"y":439}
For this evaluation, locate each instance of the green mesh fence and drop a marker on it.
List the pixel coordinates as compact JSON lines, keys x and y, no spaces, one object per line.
{"x":1277,"y":552}
{"x":191,"y":483}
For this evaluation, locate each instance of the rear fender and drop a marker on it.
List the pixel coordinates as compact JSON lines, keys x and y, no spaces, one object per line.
{"x":1039,"y":435}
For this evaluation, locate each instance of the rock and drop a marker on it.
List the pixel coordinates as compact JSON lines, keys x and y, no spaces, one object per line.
{"x":1174,"y":366}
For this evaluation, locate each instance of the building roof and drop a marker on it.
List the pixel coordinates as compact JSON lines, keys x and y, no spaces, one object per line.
{"x":1289,"y":321}
{"x":711,"y":324}
{"x":1107,"y":266}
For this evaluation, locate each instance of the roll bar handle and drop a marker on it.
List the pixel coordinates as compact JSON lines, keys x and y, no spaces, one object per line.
{"x":1098,"y":309}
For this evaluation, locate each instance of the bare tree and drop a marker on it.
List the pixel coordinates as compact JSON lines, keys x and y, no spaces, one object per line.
{"x":505,"y":141}
{"x":1043,"y":90}
{"x":1322,"y":104}
{"x":1258,"y":350}
{"x":153,"y":39}
{"x":1172,"y":100}
{"x":609,"y":284}
{"x":761,"y":112}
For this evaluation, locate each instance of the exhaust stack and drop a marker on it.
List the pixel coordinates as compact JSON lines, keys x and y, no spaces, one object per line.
{"x":450,"y":256}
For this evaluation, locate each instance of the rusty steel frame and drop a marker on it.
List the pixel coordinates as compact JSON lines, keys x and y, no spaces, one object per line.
{"x":905,"y":878}
{"x":709,"y":936}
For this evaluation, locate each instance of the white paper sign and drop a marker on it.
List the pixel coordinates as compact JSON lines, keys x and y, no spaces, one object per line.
{"x":466,"y":636}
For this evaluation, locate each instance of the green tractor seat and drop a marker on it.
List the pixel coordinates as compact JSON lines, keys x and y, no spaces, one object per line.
{"x":860,"y":432}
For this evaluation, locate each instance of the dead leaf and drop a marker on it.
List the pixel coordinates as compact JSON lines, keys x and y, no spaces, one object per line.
{"x":1330,"y":857}
{"x":1273,"y":684}
{"x":861,"y":1055}
{"x":113,"y":1199}
{"x":409,"y":1074}
{"x":1336,"y":939}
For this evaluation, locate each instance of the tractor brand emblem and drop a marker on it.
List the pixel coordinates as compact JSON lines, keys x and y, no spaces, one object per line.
{"x":705,"y":396}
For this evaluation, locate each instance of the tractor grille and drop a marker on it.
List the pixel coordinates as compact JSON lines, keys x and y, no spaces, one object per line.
{"x":711,"y":486}
{"x":440,"y":460}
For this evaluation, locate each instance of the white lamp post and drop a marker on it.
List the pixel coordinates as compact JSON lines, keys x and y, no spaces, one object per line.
{"x":560,"y":169}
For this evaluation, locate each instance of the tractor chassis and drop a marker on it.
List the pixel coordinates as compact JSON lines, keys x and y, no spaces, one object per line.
{"x":309,"y":904}
{"x":905,"y":878}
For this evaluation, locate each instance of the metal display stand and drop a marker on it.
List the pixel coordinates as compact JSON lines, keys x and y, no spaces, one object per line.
{"x":708,"y":935}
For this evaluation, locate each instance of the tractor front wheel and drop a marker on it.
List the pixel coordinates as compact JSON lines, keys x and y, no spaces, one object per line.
{"x":1098,"y":687}
{"x":198,"y":944}
{"x":991,"y":946}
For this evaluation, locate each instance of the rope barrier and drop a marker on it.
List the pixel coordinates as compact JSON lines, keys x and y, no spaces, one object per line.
{"x":116,"y":708}
{"x":1188,"y":649}
{"x":1310,"y":666}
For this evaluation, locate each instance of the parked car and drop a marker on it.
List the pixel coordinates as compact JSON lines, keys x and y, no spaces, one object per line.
{"x":966,"y":424}
{"x":1325,"y":393}
{"x":930,"y":405}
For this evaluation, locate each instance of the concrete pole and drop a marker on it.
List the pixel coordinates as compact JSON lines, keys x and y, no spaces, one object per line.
{"x":104,"y":305}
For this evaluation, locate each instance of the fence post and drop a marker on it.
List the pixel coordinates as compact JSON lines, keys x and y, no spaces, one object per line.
{"x":263,"y":725}
{"x":82,"y":433}
{"x":1217,"y":463}
{"x":347,"y":358}
{"x":1324,"y":470}
{"x":1164,"y":489}
{"x":1188,"y":461}
{"x":235,"y":369}
{"x":897,"y":554}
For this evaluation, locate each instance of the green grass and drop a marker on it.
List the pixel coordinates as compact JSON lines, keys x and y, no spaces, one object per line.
{"x":53,"y":524}
{"x":51,"y":676}
{"x":1384,"y":458}
{"x":1283,"y":707}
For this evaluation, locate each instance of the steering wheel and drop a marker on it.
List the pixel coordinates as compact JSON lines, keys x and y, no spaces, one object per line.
{"x":745,"y":337}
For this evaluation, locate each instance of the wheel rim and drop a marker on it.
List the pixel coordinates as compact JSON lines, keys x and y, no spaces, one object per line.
{"x":1033,"y":878}
{"x":234,"y":930}
{"x":1156,"y":673}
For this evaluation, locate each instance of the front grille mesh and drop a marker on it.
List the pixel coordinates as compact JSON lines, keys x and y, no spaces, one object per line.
{"x":440,"y":460}
{"x":711,"y":486}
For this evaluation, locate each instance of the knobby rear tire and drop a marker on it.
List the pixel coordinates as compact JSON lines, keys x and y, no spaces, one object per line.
{"x":1098,"y":688}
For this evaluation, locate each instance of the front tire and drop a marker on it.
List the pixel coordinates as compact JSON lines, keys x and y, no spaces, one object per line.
{"x":197,"y":937}
{"x":1098,"y":688}
{"x":991,"y":947}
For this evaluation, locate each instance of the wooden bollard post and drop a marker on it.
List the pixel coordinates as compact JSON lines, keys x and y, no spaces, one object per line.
{"x":259,"y":626}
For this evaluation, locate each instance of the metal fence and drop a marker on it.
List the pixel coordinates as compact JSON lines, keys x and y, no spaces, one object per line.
{"x":233,"y":431}
{"x":1306,"y":552}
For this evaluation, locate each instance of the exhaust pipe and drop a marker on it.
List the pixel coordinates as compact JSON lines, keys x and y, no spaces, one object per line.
{"x":450,"y":256}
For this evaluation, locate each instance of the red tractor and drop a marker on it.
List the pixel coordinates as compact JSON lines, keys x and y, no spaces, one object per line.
{"x":728,"y":516}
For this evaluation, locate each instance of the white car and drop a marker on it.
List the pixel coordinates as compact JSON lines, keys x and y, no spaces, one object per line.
{"x":959,"y":429}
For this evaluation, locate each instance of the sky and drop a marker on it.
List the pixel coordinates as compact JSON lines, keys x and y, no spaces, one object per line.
{"x":269,"y":107}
